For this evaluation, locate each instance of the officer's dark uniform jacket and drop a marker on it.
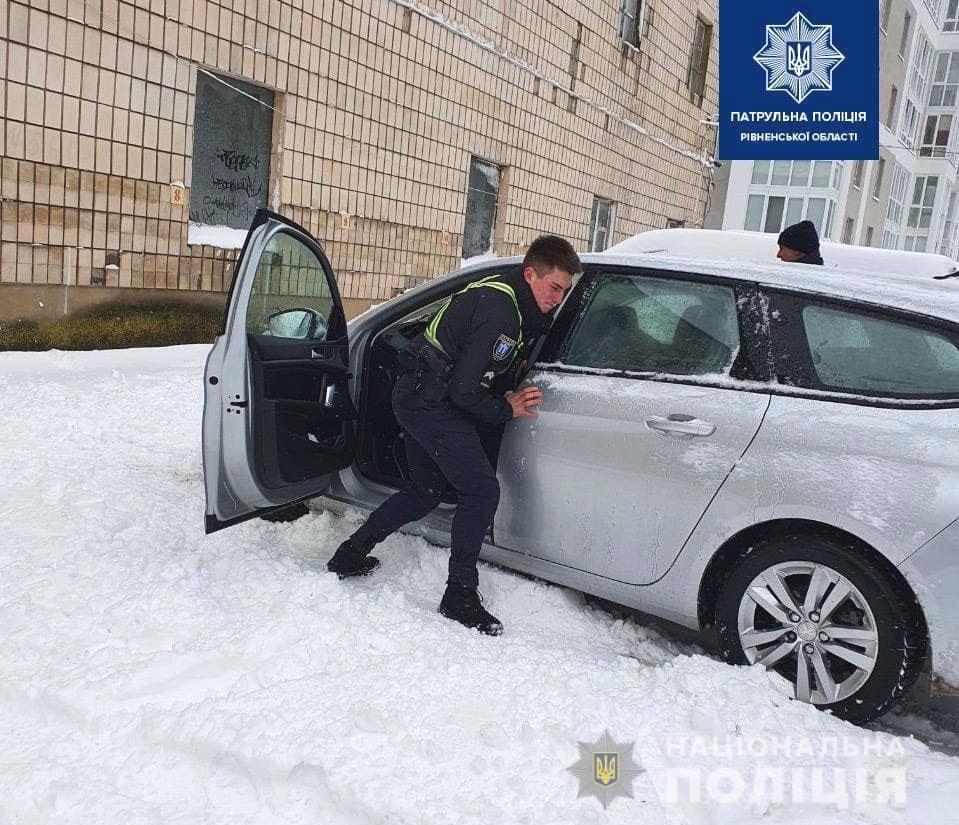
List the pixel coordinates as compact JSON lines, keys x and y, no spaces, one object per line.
{"x":480,"y":333}
{"x":447,"y":400}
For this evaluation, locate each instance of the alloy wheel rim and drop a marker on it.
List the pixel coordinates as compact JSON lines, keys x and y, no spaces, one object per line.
{"x":811,"y":625}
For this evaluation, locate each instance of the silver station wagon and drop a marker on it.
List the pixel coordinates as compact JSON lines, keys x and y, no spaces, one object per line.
{"x":767,"y":451}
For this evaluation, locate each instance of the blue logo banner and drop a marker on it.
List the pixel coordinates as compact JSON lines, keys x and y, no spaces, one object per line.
{"x":799,"y":80}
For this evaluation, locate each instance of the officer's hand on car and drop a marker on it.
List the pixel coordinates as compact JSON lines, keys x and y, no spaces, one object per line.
{"x":522,"y":401}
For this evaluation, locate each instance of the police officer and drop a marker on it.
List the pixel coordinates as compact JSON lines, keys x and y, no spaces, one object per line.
{"x":442,"y":399}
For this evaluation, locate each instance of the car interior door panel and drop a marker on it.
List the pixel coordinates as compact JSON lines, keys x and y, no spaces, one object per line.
{"x":278,"y":416}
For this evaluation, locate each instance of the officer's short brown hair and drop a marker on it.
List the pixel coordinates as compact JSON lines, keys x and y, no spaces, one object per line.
{"x":550,"y":251}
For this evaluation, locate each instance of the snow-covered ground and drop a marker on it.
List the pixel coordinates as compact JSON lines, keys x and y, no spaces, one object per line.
{"x":151,"y":674}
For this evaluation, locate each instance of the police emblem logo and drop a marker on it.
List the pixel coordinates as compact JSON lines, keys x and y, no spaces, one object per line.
{"x":605,"y":769}
{"x":503,"y":348}
{"x":799,"y":58}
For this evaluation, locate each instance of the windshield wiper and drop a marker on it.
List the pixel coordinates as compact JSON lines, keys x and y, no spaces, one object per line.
{"x":949,"y":275}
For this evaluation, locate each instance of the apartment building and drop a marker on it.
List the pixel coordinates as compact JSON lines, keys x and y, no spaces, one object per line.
{"x":138,"y":138}
{"x":906,"y":199}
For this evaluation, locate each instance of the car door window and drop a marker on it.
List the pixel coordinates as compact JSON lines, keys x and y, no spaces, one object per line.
{"x":291,"y":296}
{"x":656,"y":325}
{"x":870,"y":354}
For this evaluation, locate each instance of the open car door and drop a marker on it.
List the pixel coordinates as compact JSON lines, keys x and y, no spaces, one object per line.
{"x":278,"y":419}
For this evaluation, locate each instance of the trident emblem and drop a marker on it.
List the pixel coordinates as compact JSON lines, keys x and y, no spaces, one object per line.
{"x":605,"y":768}
{"x":799,"y":58}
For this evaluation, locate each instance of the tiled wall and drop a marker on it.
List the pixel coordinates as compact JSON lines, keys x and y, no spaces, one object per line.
{"x":378,"y":109}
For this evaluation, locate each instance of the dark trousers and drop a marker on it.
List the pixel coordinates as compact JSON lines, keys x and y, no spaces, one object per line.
{"x":442,"y":445}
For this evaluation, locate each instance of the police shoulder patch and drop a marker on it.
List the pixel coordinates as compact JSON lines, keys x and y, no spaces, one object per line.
{"x":503,"y":348}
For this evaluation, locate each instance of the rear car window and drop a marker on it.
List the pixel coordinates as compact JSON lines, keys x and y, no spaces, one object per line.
{"x":656,"y":325}
{"x":868,"y":354}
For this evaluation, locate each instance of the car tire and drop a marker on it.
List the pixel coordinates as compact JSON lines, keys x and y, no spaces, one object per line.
{"x":285,"y":514}
{"x":860,"y":654}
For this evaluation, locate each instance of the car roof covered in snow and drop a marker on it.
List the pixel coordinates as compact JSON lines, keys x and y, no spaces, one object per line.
{"x":761,"y":247}
{"x":900,"y":279}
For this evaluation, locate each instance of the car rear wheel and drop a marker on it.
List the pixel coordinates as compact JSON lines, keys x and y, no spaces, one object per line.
{"x":842,"y":631}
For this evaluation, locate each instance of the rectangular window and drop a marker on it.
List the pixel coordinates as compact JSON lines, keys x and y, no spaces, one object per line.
{"x":884,"y":17}
{"x":859,"y":352}
{"x":656,"y":325}
{"x":675,"y":223}
{"x":836,"y":173}
{"x":482,"y":193}
{"x":945,"y":80}
{"x":923,"y":201}
{"x":890,"y":240}
{"x":868,"y":236}
{"x":820,"y":174}
{"x":781,"y":173}
{"x":897,"y":195}
{"x":760,"y":172}
{"x":906,"y":26}
{"x":699,"y":60}
{"x":920,"y":67}
{"x":601,"y":224}
{"x":774,"y":215}
{"x":793,"y":211}
{"x":754,"y":213}
{"x":800,"y":173}
{"x":935,"y":137}
{"x":857,"y":173}
{"x":631,"y":23}
{"x":847,"y":230}
{"x":877,"y":183}
{"x":910,"y":118}
{"x":232,"y":140}
{"x":771,"y":214}
{"x":949,"y":231}
{"x":891,"y":113}
{"x":815,"y":212}
{"x":935,"y":7}
{"x":951,"y":23}
{"x":827,"y":229}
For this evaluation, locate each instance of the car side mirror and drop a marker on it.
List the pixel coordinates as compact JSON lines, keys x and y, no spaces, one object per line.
{"x":296,"y":323}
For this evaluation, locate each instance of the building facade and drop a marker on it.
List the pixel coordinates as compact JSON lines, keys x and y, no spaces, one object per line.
{"x":906,"y":199}
{"x":138,"y":138}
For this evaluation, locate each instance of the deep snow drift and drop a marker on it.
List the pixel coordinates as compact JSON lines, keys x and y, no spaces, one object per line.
{"x":151,"y":674}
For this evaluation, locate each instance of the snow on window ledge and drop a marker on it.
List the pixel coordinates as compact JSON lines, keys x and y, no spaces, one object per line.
{"x":478,"y":259}
{"x":222,"y":237}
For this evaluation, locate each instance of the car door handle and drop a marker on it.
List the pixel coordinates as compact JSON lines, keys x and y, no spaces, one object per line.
{"x":680,"y":425}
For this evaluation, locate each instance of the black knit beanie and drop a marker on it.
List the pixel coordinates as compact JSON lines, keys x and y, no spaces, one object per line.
{"x":800,"y":236}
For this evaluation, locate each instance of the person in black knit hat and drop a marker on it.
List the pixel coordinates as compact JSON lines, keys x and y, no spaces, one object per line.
{"x":799,"y":244}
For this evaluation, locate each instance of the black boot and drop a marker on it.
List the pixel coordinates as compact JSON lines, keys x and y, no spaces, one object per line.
{"x":465,"y":605}
{"x":352,"y":559}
